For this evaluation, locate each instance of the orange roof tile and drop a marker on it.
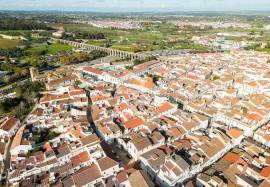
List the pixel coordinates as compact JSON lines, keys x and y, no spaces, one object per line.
{"x":77,"y":132}
{"x":164,"y":107}
{"x":253,"y":84}
{"x":9,"y":124}
{"x":175,"y":132}
{"x":133,"y":123}
{"x":239,"y":81}
{"x":47,"y":146}
{"x":168,"y":120}
{"x":17,"y":138}
{"x":147,"y":83}
{"x":255,"y":117}
{"x":235,"y":133}
{"x":265,"y":171}
{"x":232,"y":100}
{"x":192,"y":77}
{"x":48,"y":98}
{"x":76,"y":92}
{"x":232,"y":157}
{"x":123,"y":106}
{"x":98,"y":98}
{"x":160,"y":71}
{"x":84,"y":156}
{"x":92,"y":70}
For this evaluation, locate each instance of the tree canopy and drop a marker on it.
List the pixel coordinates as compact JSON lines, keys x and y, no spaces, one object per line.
{"x":12,"y":23}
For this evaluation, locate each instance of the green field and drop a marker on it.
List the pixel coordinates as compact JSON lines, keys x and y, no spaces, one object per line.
{"x":7,"y":44}
{"x":263,"y":50}
{"x":159,"y":36}
{"x":24,"y":33}
{"x":151,"y":37}
{"x":85,"y":28}
{"x":97,"y":42}
{"x":49,"y":49}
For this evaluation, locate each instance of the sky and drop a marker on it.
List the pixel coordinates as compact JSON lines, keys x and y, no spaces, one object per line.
{"x":136,"y":5}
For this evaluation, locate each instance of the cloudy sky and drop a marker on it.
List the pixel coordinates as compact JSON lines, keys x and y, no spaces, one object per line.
{"x":136,"y":5}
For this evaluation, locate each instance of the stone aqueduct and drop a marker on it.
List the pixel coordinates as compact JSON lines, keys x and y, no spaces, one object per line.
{"x":112,"y":52}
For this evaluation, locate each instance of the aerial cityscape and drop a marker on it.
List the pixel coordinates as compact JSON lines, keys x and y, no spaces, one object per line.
{"x":135,"y":93}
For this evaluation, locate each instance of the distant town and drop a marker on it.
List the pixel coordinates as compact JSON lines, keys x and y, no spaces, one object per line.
{"x":134,"y":100}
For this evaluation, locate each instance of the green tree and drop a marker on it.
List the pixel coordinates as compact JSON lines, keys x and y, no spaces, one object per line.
{"x":77,"y":82}
{"x":64,"y":60}
{"x":7,"y":66}
{"x":252,"y":32}
{"x":7,"y":79}
{"x":19,"y":91}
{"x":20,"y":109}
{"x":34,"y":61}
{"x":7,"y":59}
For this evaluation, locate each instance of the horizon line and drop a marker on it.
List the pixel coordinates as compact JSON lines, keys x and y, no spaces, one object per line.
{"x":147,"y":11}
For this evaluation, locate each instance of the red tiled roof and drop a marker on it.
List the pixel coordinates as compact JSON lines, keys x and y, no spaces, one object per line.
{"x":75,"y":161}
{"x":98,"y":98}
{"x":235,"y":133}
{"x":77,"y":92}
{"x":9,"y":124}
{"x":47,"y":146}
{"x":17,"y":138}
{"x":87,"y":175}
{"x":48,"y":98}
{"x":164,"y":107}
{"x":232,"y":157}
{"x":83,"y":177}
{"x":84,"y":156}
{"x":232,"y":100}
{"x":91,"y":139}
{"x":122,"y":177}
{"x":160,"y":71}
{"x":265,"y":171}
{"x":133,"y":123}
{"x":147,"y":82}
{"x":192,"y":77}
{"x":123,"y":106}
{"x":255,"y":117}
{"x":92,"y":70}
{"x":106,"y":163}
{"x":252,"y":83}
{"x":239,"y":81}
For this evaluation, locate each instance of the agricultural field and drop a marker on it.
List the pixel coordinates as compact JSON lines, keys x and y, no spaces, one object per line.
{"x":161,"y":35}
{"x":24,"y":33}
{"x":151,"y":37}
{"x":49,"y":49}
{"x":8,"y":44}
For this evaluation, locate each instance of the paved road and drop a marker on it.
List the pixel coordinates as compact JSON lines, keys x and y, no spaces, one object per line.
{"x":111,"y":150}
{"x":120,"y":154}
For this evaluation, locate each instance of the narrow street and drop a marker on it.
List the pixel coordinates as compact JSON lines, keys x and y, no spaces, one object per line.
{"x":111,"y":150}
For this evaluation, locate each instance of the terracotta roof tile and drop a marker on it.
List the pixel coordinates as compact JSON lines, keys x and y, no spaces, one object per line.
{"x":133,"y":123}
{"x":9,"y":124}
{"x":164,"y":107}
{"x":235,"y":133}
{"x":106,"y":163}
{"x":93,"y":70}
{"x":232,"y":157}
